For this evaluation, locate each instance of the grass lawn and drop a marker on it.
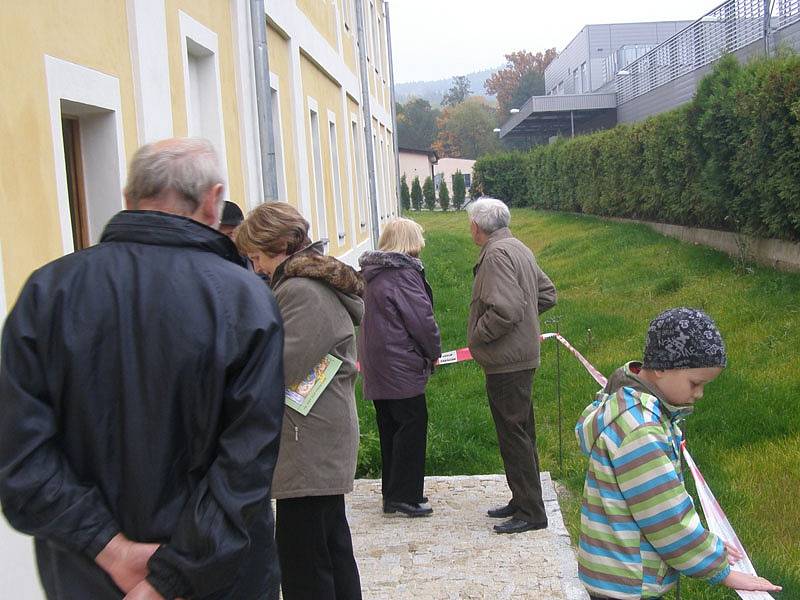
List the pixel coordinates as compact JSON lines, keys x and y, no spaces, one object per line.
{"x":612,"y":279}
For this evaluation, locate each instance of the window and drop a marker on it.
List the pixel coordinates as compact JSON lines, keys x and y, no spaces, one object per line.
{"x":277,"y":131}
{"x":358,"y":161}
{"x":75,"y":191}
{"x":319,"y":187}
{"x":337,"y":190}
{"x":376,"y":55}
{"x":575,"y":88}
{"x":584,"y":83}
{"x":202,"y":84}
{"x":467,"y":180}
{"x":560,"y":88}
{"x":379,"y":176}
{"x":88,"y":149}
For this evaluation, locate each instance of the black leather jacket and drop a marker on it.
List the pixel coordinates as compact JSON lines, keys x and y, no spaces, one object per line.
{"x":141,"y":391}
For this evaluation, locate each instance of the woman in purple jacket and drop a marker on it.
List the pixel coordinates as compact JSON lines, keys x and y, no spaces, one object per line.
{"x":398,"y":344}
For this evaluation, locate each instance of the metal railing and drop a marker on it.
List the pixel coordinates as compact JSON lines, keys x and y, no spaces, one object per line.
{"x":727,"y":28}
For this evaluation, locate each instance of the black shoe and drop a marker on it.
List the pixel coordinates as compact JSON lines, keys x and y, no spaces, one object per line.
{"x":503,"y":512}
{"x":518,"y":526}
{"x":424,"y":500}
{"x":407,"y":508}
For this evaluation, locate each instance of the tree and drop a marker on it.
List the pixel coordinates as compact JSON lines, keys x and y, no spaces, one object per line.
{"x":458,"y":92}
{"x":416,"y":194}
{"x":510,"y":83}
{"x":444,"y":195}
{"x":416,"y":124}
{"x":466,"y":130}
{"x":459,"y":190}
{"x":429,"y":193}
{"x":405,"y":196}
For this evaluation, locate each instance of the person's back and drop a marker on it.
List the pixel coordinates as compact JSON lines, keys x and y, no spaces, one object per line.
{"x":142,"y":395}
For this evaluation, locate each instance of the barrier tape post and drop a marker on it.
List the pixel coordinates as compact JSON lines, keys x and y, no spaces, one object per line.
{"x":556,"y":320}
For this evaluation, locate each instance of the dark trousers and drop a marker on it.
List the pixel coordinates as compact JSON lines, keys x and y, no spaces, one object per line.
{"x":512,"y":410}
{"x":403,"y":429}
{"x":315,"y":549}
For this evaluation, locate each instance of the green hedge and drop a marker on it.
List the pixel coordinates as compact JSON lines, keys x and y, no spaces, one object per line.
{"x":729,"y":159}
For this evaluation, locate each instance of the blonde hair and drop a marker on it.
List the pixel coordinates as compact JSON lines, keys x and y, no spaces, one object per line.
{"x":402,"y":235}
{"x":273,"y":228}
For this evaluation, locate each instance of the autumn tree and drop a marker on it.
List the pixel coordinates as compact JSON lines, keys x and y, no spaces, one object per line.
{"x":523,"y":73}
{"x":429,"y":193}
{"x":444,"y":195}
{"x":416,"y":194}
{"x":416,"y":124}
{"x":405,"y":195}
{"x":459,"y":190}
{"x":466,"y":130}
{"x":458,"y":92}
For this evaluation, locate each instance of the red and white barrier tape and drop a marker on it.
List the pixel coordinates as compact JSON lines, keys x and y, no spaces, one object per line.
{"x":463,"y":354}
{"x":719,"y":525}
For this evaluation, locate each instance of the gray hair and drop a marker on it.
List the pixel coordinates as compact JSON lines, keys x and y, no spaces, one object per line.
{"x":489,"y":214}
{"x":187,"y":166}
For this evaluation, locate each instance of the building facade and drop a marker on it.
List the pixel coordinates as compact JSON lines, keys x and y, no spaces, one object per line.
{"x":625,"y":73}
{"x":85,"y":83}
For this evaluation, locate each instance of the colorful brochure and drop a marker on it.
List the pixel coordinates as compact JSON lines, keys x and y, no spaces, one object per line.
{"x":302,"y":396}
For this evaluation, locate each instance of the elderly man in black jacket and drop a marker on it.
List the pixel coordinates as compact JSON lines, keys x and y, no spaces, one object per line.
{"x":141,"y":398}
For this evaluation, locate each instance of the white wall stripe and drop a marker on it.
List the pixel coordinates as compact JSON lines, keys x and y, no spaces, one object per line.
{"x":147,"y":26}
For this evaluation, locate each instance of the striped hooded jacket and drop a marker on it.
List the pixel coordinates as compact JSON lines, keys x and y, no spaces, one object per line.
{"x":639,"y":527}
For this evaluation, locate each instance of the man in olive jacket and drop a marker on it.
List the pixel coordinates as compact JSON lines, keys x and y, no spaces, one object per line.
{"x":141,"y":398}
{"x":508,"y":294}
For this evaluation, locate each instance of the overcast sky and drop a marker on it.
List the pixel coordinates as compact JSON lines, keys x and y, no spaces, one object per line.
{"x":435,"y":39}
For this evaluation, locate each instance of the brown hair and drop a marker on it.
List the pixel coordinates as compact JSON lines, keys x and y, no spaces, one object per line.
{"x":273,"y":228}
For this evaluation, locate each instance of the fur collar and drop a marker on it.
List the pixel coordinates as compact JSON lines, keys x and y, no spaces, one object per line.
{"x":311,"y":263}
{"x":389,"y":260}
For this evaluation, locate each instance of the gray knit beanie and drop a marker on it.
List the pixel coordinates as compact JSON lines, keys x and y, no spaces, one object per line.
{"x":683,"y":338}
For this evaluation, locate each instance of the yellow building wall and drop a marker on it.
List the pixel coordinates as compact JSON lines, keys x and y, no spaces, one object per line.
{"x":278,"y":49}
{"x":328,"y":96}
{"x":322,"y":15}
{"x":86,"y":32}
{"x":216,"y":16}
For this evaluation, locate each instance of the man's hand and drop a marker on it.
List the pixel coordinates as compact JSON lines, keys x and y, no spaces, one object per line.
{"x":125,"y":561}
{"x":750,"y":583}
{"x":144,"y":591}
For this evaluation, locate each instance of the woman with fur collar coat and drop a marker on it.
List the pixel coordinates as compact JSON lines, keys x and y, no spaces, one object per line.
{"x":320,"y":302}
{"x":398,"y":346}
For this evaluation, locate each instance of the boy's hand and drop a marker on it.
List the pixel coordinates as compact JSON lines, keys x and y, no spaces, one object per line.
{"x":734,"y":554}
{"x":750,"y":583}
{"x":125,"y":561}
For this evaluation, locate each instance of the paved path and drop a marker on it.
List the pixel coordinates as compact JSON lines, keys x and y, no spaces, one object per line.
{"x":454,"y":554}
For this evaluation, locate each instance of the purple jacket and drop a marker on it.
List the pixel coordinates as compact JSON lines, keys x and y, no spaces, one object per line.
{"x":399,"y":339}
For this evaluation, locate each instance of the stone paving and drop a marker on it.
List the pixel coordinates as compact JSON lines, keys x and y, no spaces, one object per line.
{"x":454,"y":554}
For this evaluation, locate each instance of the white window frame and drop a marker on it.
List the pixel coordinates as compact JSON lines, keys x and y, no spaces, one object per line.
{"x":360,"y":171}
{"x":204,"y":40}
{"x":277,"y":131}
{"x":318,"y":180}
{"x":99,"y":93}
{"x":336,"y":179}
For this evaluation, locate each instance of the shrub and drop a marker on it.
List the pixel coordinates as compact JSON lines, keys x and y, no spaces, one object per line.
{"x":444,"y":196}
{"x":429,"y":194}
{"x":405,"y":195}
{"x":459,"y":190}
{"x":729,"y":159}
{"x":416,"y":194}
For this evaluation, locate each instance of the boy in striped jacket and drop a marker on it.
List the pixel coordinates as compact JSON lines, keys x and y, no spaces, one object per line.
{"x":639,"y":528}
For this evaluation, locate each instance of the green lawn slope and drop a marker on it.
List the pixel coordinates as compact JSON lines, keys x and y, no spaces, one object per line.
{"x":612,"y":279}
